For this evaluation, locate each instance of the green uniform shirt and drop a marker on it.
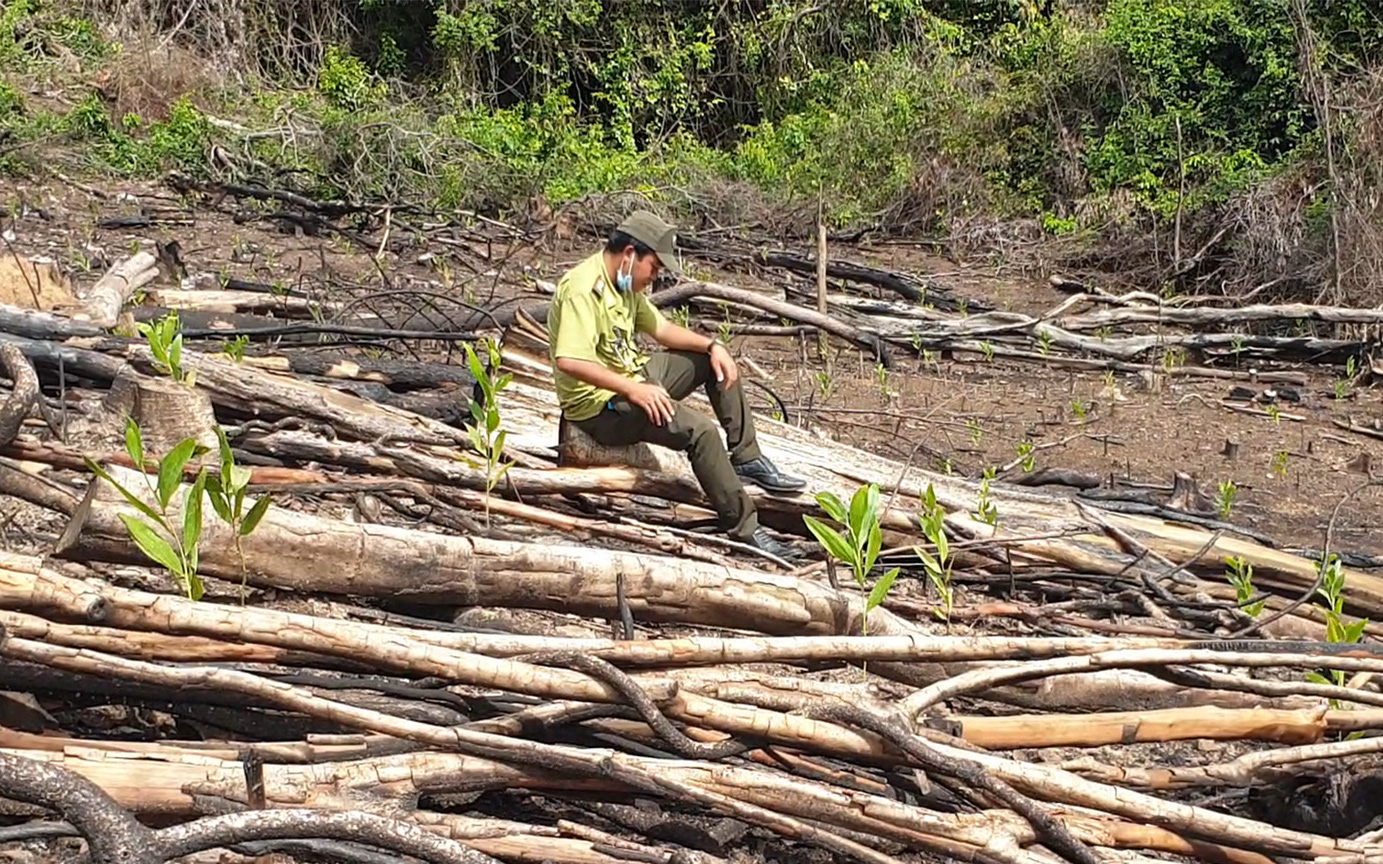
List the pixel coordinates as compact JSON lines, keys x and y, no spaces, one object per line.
{"x":590,"y":320}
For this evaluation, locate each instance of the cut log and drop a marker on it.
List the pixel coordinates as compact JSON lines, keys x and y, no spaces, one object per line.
{"x":50,"y":357}
{"x":265,"y":395}
{"x":34,"y":324}
{"x":395,"y":374}
{"x":298,"y":551}
{"x":166,"y":411}
{"x":576,"y":449}
{"x":102,"y":304}
{"x":248,"y":302}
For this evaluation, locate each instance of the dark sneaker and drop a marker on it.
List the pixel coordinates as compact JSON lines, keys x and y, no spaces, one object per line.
{"x":767,"y":477}
{"x":765,"y":543}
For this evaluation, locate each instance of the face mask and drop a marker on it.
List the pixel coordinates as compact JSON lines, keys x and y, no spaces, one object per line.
{"x":625,"y":281}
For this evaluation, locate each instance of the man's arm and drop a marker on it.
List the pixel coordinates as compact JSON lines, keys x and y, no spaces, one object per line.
{"x":652,"y":398}
{"x":596,"y":374}
{"x":675,"y":337}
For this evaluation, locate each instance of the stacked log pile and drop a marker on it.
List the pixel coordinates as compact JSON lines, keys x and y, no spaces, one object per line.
{"x":395,"y":663}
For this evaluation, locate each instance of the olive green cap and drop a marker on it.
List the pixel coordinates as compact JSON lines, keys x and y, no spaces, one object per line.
{"x":656,"y":234}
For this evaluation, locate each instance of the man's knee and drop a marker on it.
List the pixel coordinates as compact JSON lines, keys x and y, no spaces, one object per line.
{"x":692,"y":429}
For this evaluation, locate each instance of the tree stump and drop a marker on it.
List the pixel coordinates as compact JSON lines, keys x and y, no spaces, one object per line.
{"x":166,"y":411}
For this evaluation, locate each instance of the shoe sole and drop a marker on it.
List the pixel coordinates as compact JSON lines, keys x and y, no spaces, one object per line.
{"x":775,"y":490}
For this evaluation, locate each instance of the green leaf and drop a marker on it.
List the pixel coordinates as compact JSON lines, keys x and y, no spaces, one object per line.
{"x":499,"y":443}
{"x":240,"y":478}
{"x":256,"y":513}
{"x":192,"y":514}
{"x":881,"y":589}
{"x":473,"y":361}
{"x":491,"y":420}
{"x":927,"y":560}
{"x":832,"y":505}
{"x":860,"y":509}
{"x":831,"y":541}
{"x":175,"y":354}
{"x":1354,"y":632}
{"x":129,"y":496}
{"x":219,"y":502}
{"x":153,"y":546}
{"x":874,"y":542}
{"x":227,"y":457}
{"x":170,"y":470}
{"x":1317,"y":678}
{"x":134,"y":443}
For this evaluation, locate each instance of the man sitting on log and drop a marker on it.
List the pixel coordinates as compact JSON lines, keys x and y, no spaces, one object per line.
{"x":619,"y":395}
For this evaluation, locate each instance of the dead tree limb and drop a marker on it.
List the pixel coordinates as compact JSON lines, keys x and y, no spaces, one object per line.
{"x":112,"y":835}
{"x":840,"y":329}
{"x":24,"y":398}
{"x":392,"y":834}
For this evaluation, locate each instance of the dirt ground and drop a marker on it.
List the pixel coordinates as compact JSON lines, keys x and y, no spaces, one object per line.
{"x":967,"y":410}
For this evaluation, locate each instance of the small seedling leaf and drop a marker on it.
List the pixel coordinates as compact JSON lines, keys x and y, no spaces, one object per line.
{"x":153,"y":546}
{"x":134,"y":443}
{"x":170,"y":470}
{"x":832,"y":505}
{"x":128,"y":495}
{"x":874,"y":542}
{"x":1354,"y":632}
{"x":927,"y":560}
{"x":881,"y":589}
{"x":192,"y":514}
{"x":860,"y":509}
{"x":830,"y":539}
{"x":240,"y":478}
{"x":227,"y":457}
{"x":256,"y":513}
{"x":218,"y":498}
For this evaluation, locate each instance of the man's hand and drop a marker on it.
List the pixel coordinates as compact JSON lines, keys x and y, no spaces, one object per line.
{"x":723,"y":365}
{"x":654,"y":401}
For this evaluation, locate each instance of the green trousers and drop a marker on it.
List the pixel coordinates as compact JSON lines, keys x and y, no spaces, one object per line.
{"x":712,"y":460}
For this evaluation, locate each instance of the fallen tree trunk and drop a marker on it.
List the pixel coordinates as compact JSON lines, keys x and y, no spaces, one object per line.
{"x":298,"y":551}
{"x":36,"y":324}
{"x":258,"y":393}
{"x":102,"y":304}
{"x":244,"y":302}
{"x":51,"y":357}
{"x":394,"y":374}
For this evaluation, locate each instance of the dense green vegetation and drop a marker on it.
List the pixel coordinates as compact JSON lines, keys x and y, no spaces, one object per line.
{"x":1087,"y":117}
